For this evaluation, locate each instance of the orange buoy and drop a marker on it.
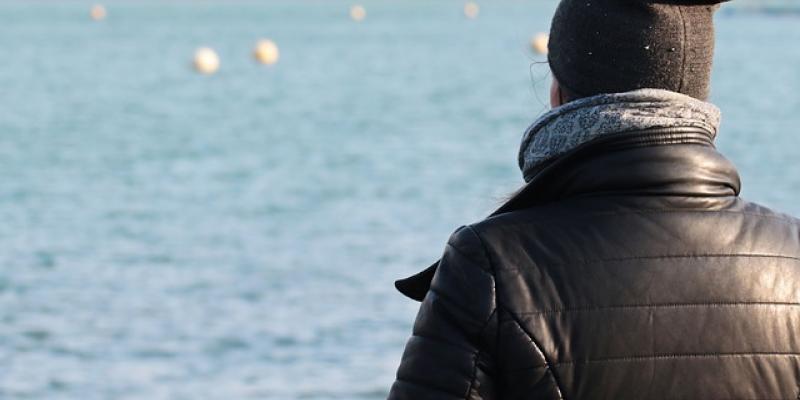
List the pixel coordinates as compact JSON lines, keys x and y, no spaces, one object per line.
{"x":206,"y":61}
{"x":471,"y":10}
{"x":98,"y":12}
{"x":266,"y":52}
{"x":539,"y":43}
{"x":358,"y":13}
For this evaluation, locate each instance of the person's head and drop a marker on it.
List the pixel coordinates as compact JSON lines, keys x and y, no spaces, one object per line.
{"x":613,"y":46}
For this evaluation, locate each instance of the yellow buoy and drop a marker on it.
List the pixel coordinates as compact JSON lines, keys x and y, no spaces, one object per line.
{"x":358,"y":13}
{"x":206,"y":60}
{"x":471,"y":10}
{"x":98,"y":12}
{"x":539,"y":43}
{"x":266,"y":52}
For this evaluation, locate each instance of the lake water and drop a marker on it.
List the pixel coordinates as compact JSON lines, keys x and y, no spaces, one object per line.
{"x":167,"y":235}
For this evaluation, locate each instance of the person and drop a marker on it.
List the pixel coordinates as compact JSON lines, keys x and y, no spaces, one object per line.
{"x":627,"y":267}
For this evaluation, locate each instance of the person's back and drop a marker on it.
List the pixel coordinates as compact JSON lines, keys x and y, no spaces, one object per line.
{"x":626,"y":268}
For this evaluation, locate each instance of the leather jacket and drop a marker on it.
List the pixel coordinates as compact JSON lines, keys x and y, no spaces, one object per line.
{"x":628,"y":269}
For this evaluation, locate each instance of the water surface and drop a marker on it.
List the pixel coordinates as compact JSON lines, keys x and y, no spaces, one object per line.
{"x":167,"y":235}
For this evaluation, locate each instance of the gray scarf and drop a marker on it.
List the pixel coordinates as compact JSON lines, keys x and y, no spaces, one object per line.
{"x":567,"y":127}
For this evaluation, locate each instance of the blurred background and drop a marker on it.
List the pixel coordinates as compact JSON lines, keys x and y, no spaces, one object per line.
{"x":167,"y":234}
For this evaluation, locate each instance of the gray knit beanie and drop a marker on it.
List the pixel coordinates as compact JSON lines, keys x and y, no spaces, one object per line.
{"x":613,"y":46}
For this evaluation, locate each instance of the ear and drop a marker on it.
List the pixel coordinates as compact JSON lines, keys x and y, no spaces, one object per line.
{"x":556,"y":98}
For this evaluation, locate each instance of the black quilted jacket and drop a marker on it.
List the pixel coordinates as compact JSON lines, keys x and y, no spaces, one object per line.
{"x":629,"y":269}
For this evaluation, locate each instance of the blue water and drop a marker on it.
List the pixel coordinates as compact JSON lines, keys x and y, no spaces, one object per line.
{"x":167,"y":235}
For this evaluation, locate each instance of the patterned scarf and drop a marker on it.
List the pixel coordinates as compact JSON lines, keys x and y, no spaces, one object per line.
{"x":567,"y":127}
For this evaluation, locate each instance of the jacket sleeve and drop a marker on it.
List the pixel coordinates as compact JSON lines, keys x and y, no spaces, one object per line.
{"x":450,"y":353}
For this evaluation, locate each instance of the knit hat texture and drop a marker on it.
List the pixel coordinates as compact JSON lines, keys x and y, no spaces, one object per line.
{"x":614,"y":46}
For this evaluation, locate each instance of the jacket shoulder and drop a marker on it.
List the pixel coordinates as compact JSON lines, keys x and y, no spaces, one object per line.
{"x":757,"y":209}
{"x":502,"y":224}
{"x":467,"y":242}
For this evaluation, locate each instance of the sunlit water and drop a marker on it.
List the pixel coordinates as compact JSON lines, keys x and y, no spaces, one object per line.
{"x":167,"y":235}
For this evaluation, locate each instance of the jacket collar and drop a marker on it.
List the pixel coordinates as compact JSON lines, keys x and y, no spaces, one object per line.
{"x":660,"y":162}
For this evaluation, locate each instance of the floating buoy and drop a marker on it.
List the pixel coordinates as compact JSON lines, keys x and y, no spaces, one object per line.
{"x":206,"y":61}
{"x":358,"y":13}
{"x":98,"y":12}
{"x":266,"y":52}
{"x":471,"y":10}
{"x":539,"y":43}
